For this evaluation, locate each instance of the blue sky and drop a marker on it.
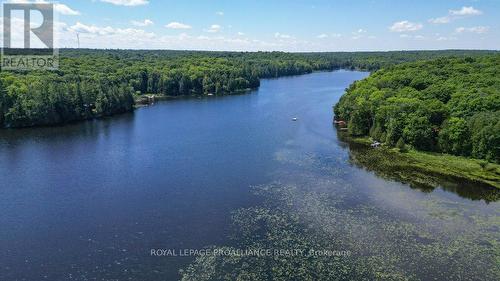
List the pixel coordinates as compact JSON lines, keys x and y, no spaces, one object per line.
{"x":292,"y":25}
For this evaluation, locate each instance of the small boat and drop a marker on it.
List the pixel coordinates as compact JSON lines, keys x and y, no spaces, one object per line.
{"x":295,"y":119}
{"x":341,"y":123}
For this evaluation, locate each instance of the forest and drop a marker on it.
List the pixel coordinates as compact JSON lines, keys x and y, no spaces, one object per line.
{"x":95,"y":83}
{"x":448,"y":105}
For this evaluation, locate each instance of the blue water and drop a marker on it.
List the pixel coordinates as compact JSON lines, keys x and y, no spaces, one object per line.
{"x":89,"y":200}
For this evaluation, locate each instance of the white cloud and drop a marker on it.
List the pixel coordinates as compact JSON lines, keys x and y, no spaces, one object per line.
{"x":65,"y":10}
{"x":127,"y":2}
{"x":405,"y":26}
{"x":466,"y":11}
{"x":475,"y":29}
{"x":219,"y":13}
{"x":60,"y":8}
{"x":177,"y":25}
{"x":106,"y":30}
{"x":439,"y":37}
{"x":415,"y":37}
{"x":337,"y":35}
{"x":83,"y":28}
{"x":214,"y":28}
{"x":146,"y":22}
{"x":456,"y":14}
{"x":440,"y":20}
{"x":358,"y":34}
{"x":93,"y":36}
{"x":108,"y":35}
{"x":282,"y":36}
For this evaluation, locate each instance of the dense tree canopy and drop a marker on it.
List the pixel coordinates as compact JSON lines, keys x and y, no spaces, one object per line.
{"x":93,"y":83}
{"x":449,"y":105}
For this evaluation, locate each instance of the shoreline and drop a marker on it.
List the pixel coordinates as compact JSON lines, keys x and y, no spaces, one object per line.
{"x":160,"y":97}
{"x":424,"y":168}
{"x":138,"y":103}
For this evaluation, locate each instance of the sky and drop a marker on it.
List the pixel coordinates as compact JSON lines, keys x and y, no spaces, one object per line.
{"x":274,"y":25}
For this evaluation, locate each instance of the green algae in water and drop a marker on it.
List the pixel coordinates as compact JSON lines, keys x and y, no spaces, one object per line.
{"x":382,"y":246}
{"x":391,"y":231}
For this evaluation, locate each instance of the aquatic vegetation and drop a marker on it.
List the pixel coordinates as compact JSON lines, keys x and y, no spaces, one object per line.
{"x":427,"y":171}
{"x":382,"y":245}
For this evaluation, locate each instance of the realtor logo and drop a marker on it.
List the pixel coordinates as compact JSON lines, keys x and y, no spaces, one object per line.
{"x":24,"y":57}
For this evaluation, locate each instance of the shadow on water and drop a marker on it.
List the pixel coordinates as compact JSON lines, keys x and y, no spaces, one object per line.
{"x":85,"y":129}
{"x":364,"y":157}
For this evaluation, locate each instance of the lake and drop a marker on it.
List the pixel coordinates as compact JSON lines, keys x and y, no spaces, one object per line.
{"x":90,"y":200}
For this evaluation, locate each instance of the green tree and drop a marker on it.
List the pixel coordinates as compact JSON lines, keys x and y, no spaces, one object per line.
{"x":454,"y":137}
{"x":360,"y":120}
{"x":418,"y":132}
{"x":401,"y":145}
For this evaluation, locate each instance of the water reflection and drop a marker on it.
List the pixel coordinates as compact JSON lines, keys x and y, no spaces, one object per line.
{"x":360,"y":156}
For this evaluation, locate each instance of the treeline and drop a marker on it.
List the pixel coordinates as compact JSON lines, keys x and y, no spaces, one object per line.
{"x":33,"y":101}
{"x":447,"y":105}
{"x":94,"y":83}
